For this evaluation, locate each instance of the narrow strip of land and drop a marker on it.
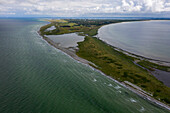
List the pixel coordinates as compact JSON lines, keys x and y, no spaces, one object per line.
{"x":107,"y":59}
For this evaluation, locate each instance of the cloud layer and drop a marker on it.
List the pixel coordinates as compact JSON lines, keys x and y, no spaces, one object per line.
{"x":83,"y":7}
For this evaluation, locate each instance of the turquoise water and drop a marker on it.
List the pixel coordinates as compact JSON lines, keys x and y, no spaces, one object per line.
{"x":148,"y":38}
{"x":37,"y":78}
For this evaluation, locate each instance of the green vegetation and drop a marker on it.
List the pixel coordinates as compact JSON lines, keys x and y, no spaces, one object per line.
{"x":110,"y":61}
{"x":43,"y":28}
{"x":85,"y":26}
{"x":65,"y":27}
{"x":57,"y":20}
{"x":95,"y":22}
{"x":120,"y":67}
{"x":150,"y":65}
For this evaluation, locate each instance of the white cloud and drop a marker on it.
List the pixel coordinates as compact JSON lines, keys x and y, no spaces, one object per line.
{"x":2,"y":13}
{"x":7,"y":1}
{"x":79,"y":7}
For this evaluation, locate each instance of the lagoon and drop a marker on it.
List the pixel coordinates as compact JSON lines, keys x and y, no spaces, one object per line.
{"x":66,"y":40}
{"x":145,"y":38}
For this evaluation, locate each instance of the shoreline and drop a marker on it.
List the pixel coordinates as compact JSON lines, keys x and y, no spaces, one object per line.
{"x":65,"y":50}
{"x":125,"y":84}
{"x":157,"y":61}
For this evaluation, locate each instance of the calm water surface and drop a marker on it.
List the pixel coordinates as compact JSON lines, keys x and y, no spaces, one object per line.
{"x":67,"y":40}
{"x":149,"y":38}
{"x":37,"y":78}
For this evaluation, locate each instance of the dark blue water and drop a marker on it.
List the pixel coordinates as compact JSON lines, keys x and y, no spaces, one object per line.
{"x":37,"y":78}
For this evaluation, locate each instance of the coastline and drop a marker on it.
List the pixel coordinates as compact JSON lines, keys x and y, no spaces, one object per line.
{"x":135,"y":55}
{"x":65,"y":50}
{"x":125,"y":84}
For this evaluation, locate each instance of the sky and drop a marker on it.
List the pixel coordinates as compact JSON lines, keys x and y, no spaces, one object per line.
{"x":85,"y":8}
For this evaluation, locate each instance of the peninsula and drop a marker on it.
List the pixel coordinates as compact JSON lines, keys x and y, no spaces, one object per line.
{"x":132,"y":71}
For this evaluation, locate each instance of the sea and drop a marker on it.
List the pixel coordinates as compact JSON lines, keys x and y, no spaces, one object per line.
{"x":38,"y":78}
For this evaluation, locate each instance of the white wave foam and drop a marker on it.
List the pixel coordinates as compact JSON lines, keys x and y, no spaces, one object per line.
{"x":110,"y":85}
{"x":94,"y":80}
{"x":142,"y":109}
{"x":117,"y":87}
{"x":120,"y":91}
{"x":133,"y":100}
{"x":64,"y":61}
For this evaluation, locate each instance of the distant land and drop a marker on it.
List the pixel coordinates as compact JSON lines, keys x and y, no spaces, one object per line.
{"x":127,"y":18}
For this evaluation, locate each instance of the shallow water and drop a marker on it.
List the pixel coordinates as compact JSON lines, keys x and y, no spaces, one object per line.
{"x":37,"y":78}
{"x":162,"y":76}
{"x":66,"y":40}
{"x":148,"y":38}
{"x":51,"y":28}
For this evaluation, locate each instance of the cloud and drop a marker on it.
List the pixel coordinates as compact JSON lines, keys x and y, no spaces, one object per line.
{"x":83,"y":7}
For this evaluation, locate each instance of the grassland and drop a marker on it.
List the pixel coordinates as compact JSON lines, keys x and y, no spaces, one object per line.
{"x":110,"y":61}
{"x":120,"y":67}
{"x":83,"y":26}
{"x":57,"y":20}
{"x":151,"y":66}
{"x":64,"y":27}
